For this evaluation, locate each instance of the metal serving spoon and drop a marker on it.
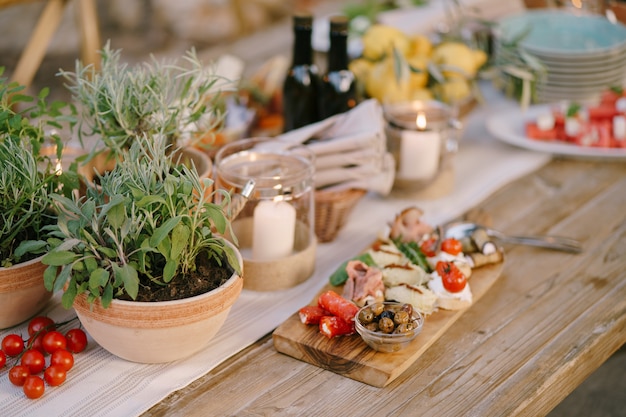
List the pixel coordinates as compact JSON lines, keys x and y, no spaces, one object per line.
{"x":460,"y":230}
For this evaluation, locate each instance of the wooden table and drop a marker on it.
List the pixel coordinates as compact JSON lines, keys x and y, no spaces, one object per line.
{"x":548,"y":323}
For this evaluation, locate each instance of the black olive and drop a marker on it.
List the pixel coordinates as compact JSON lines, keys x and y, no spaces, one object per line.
{"x":386,"y":314}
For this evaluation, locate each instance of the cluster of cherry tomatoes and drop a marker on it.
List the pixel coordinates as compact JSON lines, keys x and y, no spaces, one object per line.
{"x":30,"y":355}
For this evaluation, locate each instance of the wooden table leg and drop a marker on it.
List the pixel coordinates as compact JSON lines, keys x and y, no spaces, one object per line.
{"x":35,"y":49}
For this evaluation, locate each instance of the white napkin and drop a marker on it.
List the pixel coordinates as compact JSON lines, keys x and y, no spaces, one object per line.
{"x":350,"y":149}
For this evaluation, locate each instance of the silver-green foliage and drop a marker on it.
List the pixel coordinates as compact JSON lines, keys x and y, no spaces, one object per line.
{"x":28,"y":177}
{"x":149,"y":219}
{"x":119,"y":102}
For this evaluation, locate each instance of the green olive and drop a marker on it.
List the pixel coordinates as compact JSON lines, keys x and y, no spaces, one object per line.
{"x":366,"y":316}
{"x":377,"y":308}
{"x":401,"y":317}
{"x":386,"y":325}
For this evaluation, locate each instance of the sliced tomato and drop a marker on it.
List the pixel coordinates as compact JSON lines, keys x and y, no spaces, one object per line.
{"x":534,"y":132}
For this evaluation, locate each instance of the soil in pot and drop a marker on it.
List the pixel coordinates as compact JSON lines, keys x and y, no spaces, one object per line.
{"x":207,"y":276}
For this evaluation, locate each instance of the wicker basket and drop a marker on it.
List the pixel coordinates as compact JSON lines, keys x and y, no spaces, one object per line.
{"x":332,"y":209}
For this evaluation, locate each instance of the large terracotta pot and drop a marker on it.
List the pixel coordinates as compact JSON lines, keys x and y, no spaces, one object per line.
{"x":157,"y":332}
{"x":22,"y":292}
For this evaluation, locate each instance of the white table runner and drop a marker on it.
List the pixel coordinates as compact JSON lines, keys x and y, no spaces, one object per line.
{"x":103,"y":385}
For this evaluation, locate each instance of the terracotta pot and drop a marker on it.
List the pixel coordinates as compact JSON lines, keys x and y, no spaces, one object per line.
{"x":22,"y":293}
{"x":157,"y":332}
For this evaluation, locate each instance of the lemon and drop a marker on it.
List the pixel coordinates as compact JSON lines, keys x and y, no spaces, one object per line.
{"x":379,"y":40}
{"x":420,"y":46}
{"x":463,"y":61}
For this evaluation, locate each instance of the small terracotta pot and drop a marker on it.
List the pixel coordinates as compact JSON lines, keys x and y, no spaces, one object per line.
{"x":22,"y":293}
{"x":157,"y":332}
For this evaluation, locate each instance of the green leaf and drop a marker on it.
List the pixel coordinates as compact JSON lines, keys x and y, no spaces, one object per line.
{"x":91,"y":264}
{"x":180,"y":238}
{"x":107,"y":296}
{"x":216,"y":214}
{"x":412,"y":251}
{"x":30,"y":246}
{"x":107,"y":252}
{"x":150,"y":199}
{"x":162,"y":231}
{"x":116,"y":215}
{"x":67,"y":300}
{"x":340,"y":275}
{"x":129,"y":277}
{"x":98,"y":279}
{"x":59,"y":258}
{"x":62,"y":278}
{"x":49,"y":275}
{"x":169,"y":271}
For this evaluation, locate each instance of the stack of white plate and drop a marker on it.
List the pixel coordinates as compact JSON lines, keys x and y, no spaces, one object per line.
{"x":584,"y":54}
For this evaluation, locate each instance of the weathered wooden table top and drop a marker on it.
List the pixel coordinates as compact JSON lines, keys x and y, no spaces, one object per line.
{"x":549,"y":322}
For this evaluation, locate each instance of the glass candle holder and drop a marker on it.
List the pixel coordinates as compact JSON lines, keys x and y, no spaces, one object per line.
{"x":275,"y":228}
{"x":422,"y":136}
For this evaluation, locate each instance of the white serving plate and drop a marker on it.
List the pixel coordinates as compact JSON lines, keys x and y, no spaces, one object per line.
{"x":509,"y":126}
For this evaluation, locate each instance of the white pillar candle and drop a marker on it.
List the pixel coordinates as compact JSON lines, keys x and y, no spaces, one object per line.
{"x":274,"y":226}
{"x":419,"y":154}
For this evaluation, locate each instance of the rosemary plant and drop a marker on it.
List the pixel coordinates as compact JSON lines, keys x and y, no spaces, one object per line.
{"x":119,"y":102}
{"x":28,"y":176}
{"x":147,"y":223}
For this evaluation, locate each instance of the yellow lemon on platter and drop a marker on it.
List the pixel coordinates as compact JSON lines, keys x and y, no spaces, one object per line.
{"x":379,"y":41}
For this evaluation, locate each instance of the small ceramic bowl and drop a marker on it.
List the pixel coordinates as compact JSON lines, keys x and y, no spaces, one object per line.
{"x":387,"y":342}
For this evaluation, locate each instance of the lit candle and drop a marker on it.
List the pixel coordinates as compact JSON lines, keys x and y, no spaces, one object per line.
{"x":274,"y":225}
{"x":419,"y":151}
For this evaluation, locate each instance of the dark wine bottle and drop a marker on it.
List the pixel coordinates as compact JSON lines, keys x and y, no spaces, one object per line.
{"x":302,"y":80}
{"x":338,"y":87}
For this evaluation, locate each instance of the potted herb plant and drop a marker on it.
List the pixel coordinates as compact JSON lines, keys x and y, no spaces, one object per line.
{"x":28,"y":178}
{"x":119,"y":102}
{"x":142,"y":259}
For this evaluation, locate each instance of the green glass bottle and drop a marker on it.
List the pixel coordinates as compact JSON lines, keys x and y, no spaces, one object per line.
{"x":302,"y":80}
{"x":338,"y":87}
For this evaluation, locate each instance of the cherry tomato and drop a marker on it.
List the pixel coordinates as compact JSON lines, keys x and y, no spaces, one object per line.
{"x":34,"y":361}
{"x":40,"y":324}
{"x":18,"y":374}
{"x":55,"y":375}
{"x":76,"y":340}
{"x":53,"y":341}
{"x":12,"y":344}
{"x":62,"y":358}
{"x":452,"y":246}
{"x":36,"y":342}
{"x":34,"y":387}
{"x":452,"y":278}
{"x":429,"y":247}
{"x":3,"y":359}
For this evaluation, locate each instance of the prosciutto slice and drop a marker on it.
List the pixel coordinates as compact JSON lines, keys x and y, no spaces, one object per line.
{"x":364,"y":284}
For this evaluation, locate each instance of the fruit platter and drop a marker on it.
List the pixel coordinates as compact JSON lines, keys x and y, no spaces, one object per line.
{"x":413,"y":279}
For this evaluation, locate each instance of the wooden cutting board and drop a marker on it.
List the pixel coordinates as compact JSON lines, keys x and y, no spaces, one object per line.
{"x":351,"y":357}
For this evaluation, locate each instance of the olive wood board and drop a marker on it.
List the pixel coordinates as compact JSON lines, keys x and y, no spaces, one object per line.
{"x":351,"y":357}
